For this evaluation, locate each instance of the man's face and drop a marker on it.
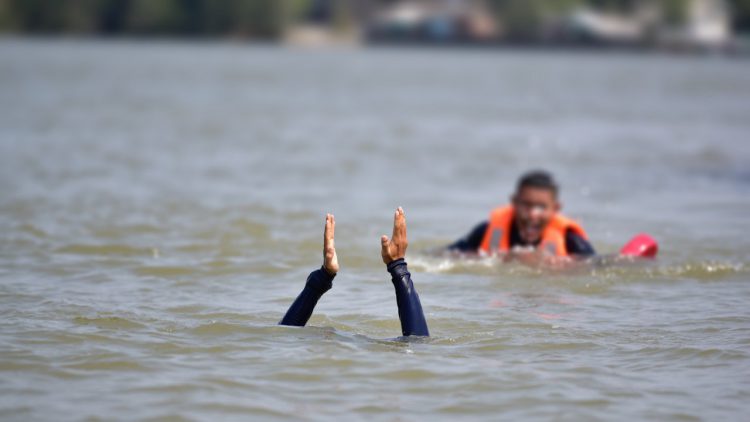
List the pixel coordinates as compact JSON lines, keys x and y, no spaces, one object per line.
{"x":534,"y":208}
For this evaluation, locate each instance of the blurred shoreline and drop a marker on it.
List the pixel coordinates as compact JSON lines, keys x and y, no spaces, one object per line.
{"x":162,"y":206}
{"x":672,"y":26}
{"x":498,"y":48}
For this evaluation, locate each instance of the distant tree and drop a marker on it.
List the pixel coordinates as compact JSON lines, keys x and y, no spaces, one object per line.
{"x":111,"y":15}
{"x":252,"y":18}
{"x":38,"y":16}
{"x":675,"y":11}
{"x":522,"y":18}
{"x":258,"y":18}
{"x":519,"y":18}
{"x":740,"y":15}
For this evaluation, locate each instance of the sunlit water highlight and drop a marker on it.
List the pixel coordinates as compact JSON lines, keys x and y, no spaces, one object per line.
{"x":162,"y":205}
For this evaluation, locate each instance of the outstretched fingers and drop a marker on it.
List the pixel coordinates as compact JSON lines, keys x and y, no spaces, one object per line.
{"x":399,"y":226}
{"x":395,"y":247}
{"x":385,"y":252}
{"x":330,"y":260}
{"x":328,"y":234}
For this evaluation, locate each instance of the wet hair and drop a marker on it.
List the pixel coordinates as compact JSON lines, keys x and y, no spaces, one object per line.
{"x":538,"y":179}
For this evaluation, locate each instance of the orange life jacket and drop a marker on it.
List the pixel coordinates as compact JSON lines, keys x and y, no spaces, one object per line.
{"x":497,"y":236}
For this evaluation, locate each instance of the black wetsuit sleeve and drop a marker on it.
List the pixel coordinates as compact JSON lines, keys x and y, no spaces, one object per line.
{"x":577,"y":245}
{"x":472,"y":241}
{"x":318,"y":282}
{"x":409,"y":307}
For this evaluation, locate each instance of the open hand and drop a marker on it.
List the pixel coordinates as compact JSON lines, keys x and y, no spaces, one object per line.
{"x":330,"y":260}
{"x":395,"y":248}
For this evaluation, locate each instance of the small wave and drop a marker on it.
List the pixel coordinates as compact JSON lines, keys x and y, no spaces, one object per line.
{"x":221,"y":328}
{"x":33,"y":230}
{"x":168,"y":389}
{"x":114,"y":232}
{"x":252,"y":410}
{"x":702,"y":270}
{"x":110,"y":322}
{"x":601,"y":268}
{"x":109,"y":365}
{"x":188,"y":309}
{"x":470,"y":265}
{"x":409,"y":375}
{"x":165,"y":271}
{"x":696,"y":270}
{"x":702,"y":355}
{"x":105,"y":250}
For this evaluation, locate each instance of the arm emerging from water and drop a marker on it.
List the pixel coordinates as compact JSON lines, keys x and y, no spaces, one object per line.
{"x":318,"y":282}
{"x":393,"y":251}
{"x":472,"y":241}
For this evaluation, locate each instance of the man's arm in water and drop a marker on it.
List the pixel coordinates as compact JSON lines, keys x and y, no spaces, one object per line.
{"x":577,"y":245}
{"x":393,"y":251}
{"x":472,"y":241}
{"x":318,"y":282}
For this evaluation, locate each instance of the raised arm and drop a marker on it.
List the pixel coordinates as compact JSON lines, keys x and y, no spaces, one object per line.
{"x":318,"y":282}
{"x":393,"y":251}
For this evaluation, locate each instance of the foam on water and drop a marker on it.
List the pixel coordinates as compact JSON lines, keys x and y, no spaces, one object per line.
{"x":620,"y":269}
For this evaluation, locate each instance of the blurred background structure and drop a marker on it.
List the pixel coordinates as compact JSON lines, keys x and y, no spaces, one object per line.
{"x":662,"y":24}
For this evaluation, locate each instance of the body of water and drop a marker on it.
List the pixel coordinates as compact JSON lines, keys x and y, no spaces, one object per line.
{"x":162,"y":204}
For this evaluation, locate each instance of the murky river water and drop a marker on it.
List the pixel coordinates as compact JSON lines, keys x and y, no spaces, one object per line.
{"x":163,"y":203}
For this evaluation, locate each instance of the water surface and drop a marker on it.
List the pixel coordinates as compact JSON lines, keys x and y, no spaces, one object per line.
{"x":163,"y":203}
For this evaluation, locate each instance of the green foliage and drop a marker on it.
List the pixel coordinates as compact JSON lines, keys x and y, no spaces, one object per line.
{"x":34,"y":15}
{"x":252,"y":18}
{"x":266,"y":18}
{"x":675,"y":11}
{"x":522,"y":18}
{"x":741,"y":14}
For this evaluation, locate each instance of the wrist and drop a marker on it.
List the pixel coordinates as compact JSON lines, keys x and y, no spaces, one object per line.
{"x":325,"y":270}
{"x":395,"y":264}
{"x":319,"y":281}
{"x":327,"y":273}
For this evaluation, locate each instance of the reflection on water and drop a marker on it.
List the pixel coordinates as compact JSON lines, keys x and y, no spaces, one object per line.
{"x":163,"y":204}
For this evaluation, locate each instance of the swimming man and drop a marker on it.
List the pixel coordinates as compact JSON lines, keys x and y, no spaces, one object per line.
{"x":530,"y":229}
